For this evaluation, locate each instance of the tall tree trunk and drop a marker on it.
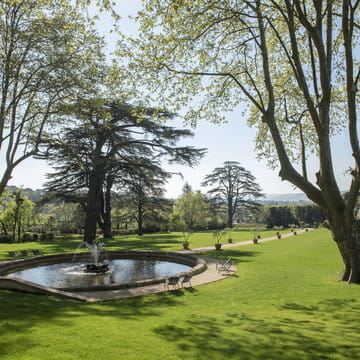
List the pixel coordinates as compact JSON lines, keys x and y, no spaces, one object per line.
{"x":19,"y":230}
{"x":230,"y":222}
{"x":140,"y":230}
{"x":4,"y":227}
{"x":347,"y":238}
{"x":107,"y":208}
{"x":101,"y":221}
{"x":5,"y":178}
{"x":92,"y":205}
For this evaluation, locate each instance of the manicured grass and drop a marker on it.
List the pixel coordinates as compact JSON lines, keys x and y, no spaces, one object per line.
{"x":158,"y":241}
{"x":284,"y":303}
{"x":174,"y":240}
{"x":46,"y":248}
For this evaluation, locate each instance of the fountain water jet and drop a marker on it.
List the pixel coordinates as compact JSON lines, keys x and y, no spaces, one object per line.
{"x":96,"y":267}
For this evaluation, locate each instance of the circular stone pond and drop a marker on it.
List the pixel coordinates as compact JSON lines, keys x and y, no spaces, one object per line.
{"x":121,"y":271}
{"x":54,"y":274}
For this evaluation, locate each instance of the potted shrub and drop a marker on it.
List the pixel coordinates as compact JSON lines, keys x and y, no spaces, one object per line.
{"x":217,"y":235}
{"x":278,"y":235}
{"x":187,"y":235}
{"x":256,"y":237}
{"x":230,"y":239}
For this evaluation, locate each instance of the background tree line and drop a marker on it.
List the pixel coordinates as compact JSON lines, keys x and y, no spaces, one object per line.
{"x":24,"y":220}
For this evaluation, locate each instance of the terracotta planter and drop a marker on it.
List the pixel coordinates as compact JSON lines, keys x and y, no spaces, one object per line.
{"x":217,"y":246}
{"x":186,"y":245}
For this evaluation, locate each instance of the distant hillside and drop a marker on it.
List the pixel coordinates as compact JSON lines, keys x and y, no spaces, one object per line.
{"x":33,"y":195}
{"x":285,"y":198}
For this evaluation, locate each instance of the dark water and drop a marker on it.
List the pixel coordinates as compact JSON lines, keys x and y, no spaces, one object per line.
{"x":121,"y":271}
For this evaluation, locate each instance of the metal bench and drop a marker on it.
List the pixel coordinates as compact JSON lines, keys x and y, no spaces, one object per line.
{"x":224,"y":266}
{"x":184,"y":279}
{"x":171,"y":281}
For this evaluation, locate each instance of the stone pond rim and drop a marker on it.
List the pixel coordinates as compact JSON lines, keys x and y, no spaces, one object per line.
{"x":197,"y":264}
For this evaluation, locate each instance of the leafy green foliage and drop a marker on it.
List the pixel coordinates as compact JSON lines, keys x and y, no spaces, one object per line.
{"x":290,"y":215}
{"x":218,"y":235}
{"x":17,"y":215}
{"x":309,"y":215}
{"x":280,"y":216}
{"x":49,"y":55}
{"x":60,"y":217}
{"x":191,"y":210}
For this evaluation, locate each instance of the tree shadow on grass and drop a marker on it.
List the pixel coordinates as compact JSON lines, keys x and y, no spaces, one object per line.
{"x":239,"y":336}
{"x":130,"y":242}
{"x":236,"y":256}
{"x":22,"y":312}
{"x":346,"y":312}
{"x":146,"y":242}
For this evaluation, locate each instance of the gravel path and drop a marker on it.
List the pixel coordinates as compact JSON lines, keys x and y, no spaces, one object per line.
{"x":248,"y":242}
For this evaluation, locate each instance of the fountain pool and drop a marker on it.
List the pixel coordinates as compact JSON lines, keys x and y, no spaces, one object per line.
{"x":58,"y":275}
{"x":120,"y":271}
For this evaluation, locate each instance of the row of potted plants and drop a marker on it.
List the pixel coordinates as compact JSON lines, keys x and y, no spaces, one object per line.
{"x":219,"y":234}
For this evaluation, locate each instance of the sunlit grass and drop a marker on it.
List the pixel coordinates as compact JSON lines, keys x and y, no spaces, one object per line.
{"x":283,"y":303}
{"x":158,"y":241}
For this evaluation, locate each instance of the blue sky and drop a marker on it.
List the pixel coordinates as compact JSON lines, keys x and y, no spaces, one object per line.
{"x":232,"y":141}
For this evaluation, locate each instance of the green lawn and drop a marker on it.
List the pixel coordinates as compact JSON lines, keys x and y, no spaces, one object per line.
{"x":162,"y":241}
{"x":283,"y":303}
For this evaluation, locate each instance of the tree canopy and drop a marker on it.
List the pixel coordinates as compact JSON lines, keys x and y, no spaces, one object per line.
{"x":49,"y":55}
{"x":295,"y":63}
{"x":191,"y":209}
{"x":144,"y":190}
{"x":17,"y":213}
{"x":110,"y":143}
{"x":233,"y":186}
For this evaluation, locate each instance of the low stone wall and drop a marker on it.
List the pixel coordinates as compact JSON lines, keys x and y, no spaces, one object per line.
{"x":12,"y":283}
